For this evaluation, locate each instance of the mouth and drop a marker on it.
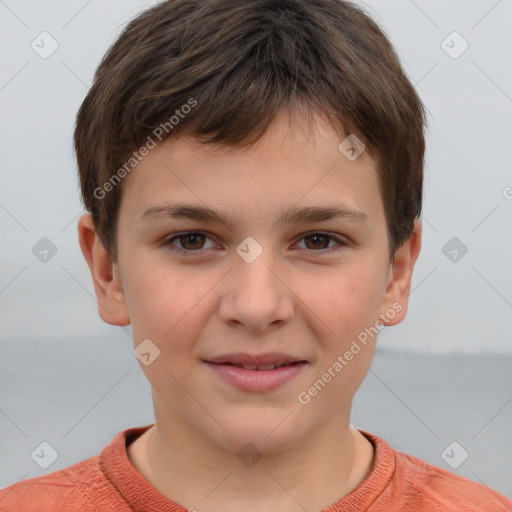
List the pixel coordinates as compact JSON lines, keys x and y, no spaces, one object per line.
{"x":256,"y":374}
{"x":261,"y":367}
{"x":263,"y":361}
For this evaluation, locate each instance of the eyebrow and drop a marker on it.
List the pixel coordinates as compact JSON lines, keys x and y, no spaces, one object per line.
{"x":292,"y":214}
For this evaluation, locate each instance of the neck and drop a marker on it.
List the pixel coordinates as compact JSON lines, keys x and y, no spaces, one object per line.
{"x":196,"y":472}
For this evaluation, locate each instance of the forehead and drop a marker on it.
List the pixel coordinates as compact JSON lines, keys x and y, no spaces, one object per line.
{"x":290,"y":164}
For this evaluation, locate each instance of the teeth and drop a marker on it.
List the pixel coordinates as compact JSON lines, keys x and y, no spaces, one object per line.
{"x":261,"y":367}
{"x":266,"y":367}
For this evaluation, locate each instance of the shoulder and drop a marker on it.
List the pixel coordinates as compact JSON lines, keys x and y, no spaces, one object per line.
{"x":432,"y":488}
{"x":75,"y":488}
{"x":88,"y":486}
{"x":403,"y":482}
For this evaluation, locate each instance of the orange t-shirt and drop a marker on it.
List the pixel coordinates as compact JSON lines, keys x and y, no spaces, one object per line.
{"x":109,"y":482}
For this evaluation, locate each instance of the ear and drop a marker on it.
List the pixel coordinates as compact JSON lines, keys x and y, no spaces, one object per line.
{"x":105,"y":274}
{"x":396,"y":296}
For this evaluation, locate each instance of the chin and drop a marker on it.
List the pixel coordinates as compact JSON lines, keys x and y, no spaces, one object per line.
{"x":267,"y":432}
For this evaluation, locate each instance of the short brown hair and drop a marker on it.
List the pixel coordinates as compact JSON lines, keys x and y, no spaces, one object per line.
{"x":242,"y":62}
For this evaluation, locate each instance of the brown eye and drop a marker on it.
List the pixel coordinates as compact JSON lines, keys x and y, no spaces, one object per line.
{"x":318,"y":241}
{"x":189,"y":243}
{"x":192,"y":241}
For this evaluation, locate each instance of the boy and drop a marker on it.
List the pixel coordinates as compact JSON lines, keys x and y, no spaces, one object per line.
{"x":220,"y":142}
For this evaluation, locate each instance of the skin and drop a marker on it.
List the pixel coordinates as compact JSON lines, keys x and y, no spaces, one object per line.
{"x":297,"y":297}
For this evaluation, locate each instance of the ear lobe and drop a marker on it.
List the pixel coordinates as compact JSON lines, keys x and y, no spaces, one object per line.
{"x":396,"y":297}
{"x":105,"y":274}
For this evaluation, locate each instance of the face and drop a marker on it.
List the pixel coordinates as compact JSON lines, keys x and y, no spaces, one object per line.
{"x":259,"y":285}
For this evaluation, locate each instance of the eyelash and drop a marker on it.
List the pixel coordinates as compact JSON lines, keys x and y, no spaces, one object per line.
{"x":189,"y":252}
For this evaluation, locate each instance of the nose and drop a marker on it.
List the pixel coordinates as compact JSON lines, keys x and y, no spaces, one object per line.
{"x":257,"y":296}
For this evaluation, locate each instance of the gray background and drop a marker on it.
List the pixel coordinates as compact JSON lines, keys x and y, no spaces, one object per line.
{"x":443,"y":375}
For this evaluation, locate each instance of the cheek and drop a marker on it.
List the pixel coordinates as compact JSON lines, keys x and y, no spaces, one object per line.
{"x":349,"y":306}
{"x":164,"y":308}
{"x":161,"y":303}
{"x":349,"y":300}
{"x":340,"y":378}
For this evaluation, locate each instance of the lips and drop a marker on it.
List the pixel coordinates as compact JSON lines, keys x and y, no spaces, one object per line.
{"x":256,"y":373}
